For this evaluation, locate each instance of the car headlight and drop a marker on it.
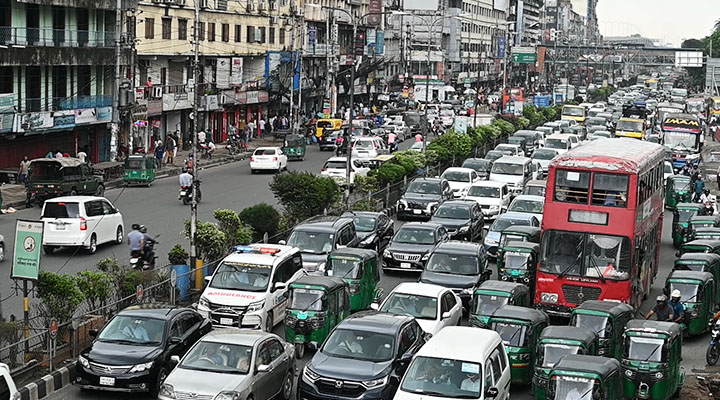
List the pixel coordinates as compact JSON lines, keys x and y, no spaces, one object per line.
{"x":141,"y":367}
{"x":203,"y":302}
{"x":467,"y":291}
{"x":549,"y":297}
{"x":432,"y":206}
{"x":319,"y":268}
{"x":256,"y":306}
{"x":387,"y":253}
{"x":629,"y":373}
{"x":227,"y":395}
{"x":375,"y":382}
{"x":464,"y":229}
{"x":167,"y":391}
{"x":494,"y":208}
{"x":310,"y":375}
{"x":401,"y":204}
{"x":524,"y":356}
{"x":84,"y":362}
{"x":693,"y":313}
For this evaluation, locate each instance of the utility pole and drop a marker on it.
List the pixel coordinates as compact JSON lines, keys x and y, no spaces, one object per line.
{"x":328,"y":46}
{"x":115,"y":126}
{"x":292,"y":72}
{"x":196,"y":167}
{"x":348,"y":132}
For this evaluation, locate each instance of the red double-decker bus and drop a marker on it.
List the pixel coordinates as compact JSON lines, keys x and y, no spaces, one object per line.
{"x":601,"y":226}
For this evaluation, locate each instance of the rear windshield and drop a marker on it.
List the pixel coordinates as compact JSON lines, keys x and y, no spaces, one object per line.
{"x":336,"y":164}
{"x":264,"y":152}
{"x":61,"y":210}
{"x":45,"y":171}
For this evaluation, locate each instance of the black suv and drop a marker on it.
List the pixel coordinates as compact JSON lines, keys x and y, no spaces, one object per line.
{"x":463,"y":219}
{"x":411,"y":246}
{"x":422,"y":197}
{"x":374,"y":229}
{"x":316,"y":237}
{"x":365,"y":356}
{"x":132,"y":352}
{"x":460,"y":266}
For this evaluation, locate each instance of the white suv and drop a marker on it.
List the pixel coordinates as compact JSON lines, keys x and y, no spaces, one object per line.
{"x":336,"y":168}
{"x":493,"y":197}
{"x":249,"y":287}
{"x":80,"y":221}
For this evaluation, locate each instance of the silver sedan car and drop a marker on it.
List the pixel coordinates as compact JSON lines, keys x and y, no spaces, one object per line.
{"x":233,"y":364}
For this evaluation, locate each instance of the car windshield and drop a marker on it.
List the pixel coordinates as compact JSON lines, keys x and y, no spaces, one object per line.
{"x":544,"y":154}
{"x":596,"y":323}
{"x":306,"y":299}
{"x":681,"y":185}
{"x":453,"y":264}
{"x":136,"y":330}
{"x":596,"y":122}
{"x":359,"y":345}
{"x":556,"y":144}
{"x":484,"y":191}
{"x":446,"y":378}
{"x":344,"y":267}
{"x":364,"y":223}
{"x":224,"y":358}
{"x":684,"y":214}
{"x":515,"y":260}
{"x":506,"y":149}
{"x":551,"y":353}
{"x":364,"y":145}
{"x":644,"y":349}
{"x":574,"y":387}
{"x":630,"y":126}
{"x":456,"y":176}
{"x":61,"y":210}
{"x":585,"y":255}
{"x":486,"y":304}
{"x":453,"y":211}
{"x":689,"y":292}
{"x":534,"y":190}
{"x":241,"y":276}
{"x":528,"y":206}
{"x":479,"y":166}
{"x":45,"y":171}
{"x":415,"y":305}
{"x":493,"y":155}
{"x":501,"y":224}
{"x":415,"y":236}
{"x":424,"y":187}
{"x":311,"y":242}
{"x":507,"y":168}
{"x":511,"y":334}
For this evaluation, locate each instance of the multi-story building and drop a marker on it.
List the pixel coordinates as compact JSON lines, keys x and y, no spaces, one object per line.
{"x":484,"y":31}
{"x":526,"y":17}
{"x":563,"y":24}
{"x":57,"y":77}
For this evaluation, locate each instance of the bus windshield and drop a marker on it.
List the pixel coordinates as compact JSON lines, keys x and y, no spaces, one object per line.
{"x":586,"y":255}
{"x":681,"y":140}
{"x":573,"y":111}
{"x":630,"y":126}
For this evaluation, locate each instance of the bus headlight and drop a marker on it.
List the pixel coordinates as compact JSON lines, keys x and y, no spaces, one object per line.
{"x":549,"y":297}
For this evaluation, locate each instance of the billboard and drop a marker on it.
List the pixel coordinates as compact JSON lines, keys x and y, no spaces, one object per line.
{"x":690,"y":59}
{"x":428,"y":5}
{"x":28,"y":242}
{"x":501,"y":5}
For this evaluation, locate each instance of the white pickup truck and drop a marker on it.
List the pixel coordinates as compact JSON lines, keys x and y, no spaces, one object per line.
{"x":8,"y":390}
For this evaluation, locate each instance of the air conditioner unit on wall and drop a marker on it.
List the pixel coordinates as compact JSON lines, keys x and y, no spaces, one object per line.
{"x":204,"y":3}
{"x":273,"y":5}
{"x":274,"y":20}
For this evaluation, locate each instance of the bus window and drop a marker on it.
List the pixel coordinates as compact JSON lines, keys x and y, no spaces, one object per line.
{"x":572,"y":186}
{"x":586,"y":254}
{"x":610,"y":190}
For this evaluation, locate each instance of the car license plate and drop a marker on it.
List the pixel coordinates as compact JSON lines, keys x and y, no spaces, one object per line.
{"x":417,"y":212}
{"x":226,"y":321}
{"x":405,"y":265}
{"x":60,"y":227}
{"x":107,"y":381}
{"x":182,"y":193}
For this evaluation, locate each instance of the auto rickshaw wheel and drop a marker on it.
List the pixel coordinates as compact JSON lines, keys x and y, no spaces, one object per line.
{"x":299,"y":351}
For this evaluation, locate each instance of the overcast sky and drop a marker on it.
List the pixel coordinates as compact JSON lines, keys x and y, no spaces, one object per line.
{"x":671,"y":20}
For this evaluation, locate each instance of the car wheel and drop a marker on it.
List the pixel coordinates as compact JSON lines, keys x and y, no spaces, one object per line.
{"x":100,"y":192}
{"x":269,"y":325}
{"x":161,"y":376}
{"x":2,"y":252}
{"x":252,"y":171}
{"x":287,"y":387}
{"x":48,"y":249}
{"x":92,"y":248}
{"x":119,"y":235}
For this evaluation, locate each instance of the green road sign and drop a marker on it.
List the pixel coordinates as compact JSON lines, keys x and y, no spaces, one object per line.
{"x":28,"y":242}
{"x":524,"y":58}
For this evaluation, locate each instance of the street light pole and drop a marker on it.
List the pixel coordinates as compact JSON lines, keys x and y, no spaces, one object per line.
{"x":196,"y":170}
{"x":348,"y":132}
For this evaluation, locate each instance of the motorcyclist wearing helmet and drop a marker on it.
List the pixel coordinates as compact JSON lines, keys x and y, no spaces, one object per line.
{"x":662,"y":309}
{"x":148,"y":243}
{"x":677,"y":306}
{"x":136,"y":240}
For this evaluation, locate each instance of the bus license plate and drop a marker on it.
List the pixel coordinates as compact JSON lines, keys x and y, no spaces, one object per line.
{"x":226,"y":321}
{"x":405,"y":265}
{"x":107,"y":381}
{"x":417,"y":212}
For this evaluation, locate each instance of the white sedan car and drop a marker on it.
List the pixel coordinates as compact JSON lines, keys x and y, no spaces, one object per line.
{"x":460,"y":179}
{"x":434,"y":307}
{"x":268,"y":158}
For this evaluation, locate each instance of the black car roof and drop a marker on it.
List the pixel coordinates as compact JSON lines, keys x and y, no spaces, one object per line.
{"x":154,"y":310}
{"x":694,"y":275}
{"x":375,"y":321}
{"x":603,"y":366}
{"x":570,"y":333}
{"x":504,"y":286}
{"x":323,"y":223}
{"x":672,"y":328}
{"x":707,"y":257}
{"x":354,"y":252}
{"x":457,"y":246}
{"x":421,"y":225}
{"x":531,"y":230}
{"x":610,"y":307}
{"x":521,"y":313}
{"x":323,"y":281}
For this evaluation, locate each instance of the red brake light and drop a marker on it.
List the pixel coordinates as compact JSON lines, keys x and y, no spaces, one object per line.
{"x":61,"y":204}
{"x":83,"y":224}
{"x":252,"y":158}
{"x":274,"y":158}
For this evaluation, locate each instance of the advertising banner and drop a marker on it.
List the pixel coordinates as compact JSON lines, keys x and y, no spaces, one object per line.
{"x":28,"y":242}
{"x":236,"y":71}
{"x":374,"y":8}
{"x":88,"y":115}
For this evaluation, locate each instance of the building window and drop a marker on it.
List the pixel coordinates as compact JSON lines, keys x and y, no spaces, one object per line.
{"x":211,"y":32}
{"x":250,"y":37}
{"x":281,"y":37}
{"x":149,"y":28}
{"x":225,"y":32}
{"x":271,"y":39}
{"x":166,"y":28}
{"x":201,"y":28}
{"x":6,"y":80}
{"x":262,"y":35}
{"x":182,"y":29}
{"x":238,"y":30}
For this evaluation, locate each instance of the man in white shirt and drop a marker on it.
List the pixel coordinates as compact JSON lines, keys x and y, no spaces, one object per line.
{"x":471,"y":383}
{"x":262,"y":127}
{"x":82,"y":156}
{"x":185,"y":179}
{"x":201,"y":137}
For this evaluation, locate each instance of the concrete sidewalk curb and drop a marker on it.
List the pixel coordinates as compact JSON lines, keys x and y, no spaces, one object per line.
{"x":48,"y":384}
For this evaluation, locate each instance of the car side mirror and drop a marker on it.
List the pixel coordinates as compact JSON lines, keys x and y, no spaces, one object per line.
{"x":174,"y":360}
{"x":375,"y":306}
{"x":279,"y":285}
{"x":491,"y":393}
{"x":175,"y":340}
{"x":446,"y":315}
{"x":263,"y":368}
{"x":677,"y":254}
{"x":93,"y":332}
{"x":207,"y":280}
{"x":405,"y":358}
{"x":282,"y":243}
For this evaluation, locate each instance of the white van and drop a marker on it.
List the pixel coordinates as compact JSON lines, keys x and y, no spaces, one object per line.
{"x":558,"y":142}
{"x":477,"y":369}
{"x":8,"y":390}
{"x":249,"y":287}
{"x":514,"y":171}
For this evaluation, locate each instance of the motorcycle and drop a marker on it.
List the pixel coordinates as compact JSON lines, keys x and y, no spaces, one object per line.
{"x":146,"y":258}
{"x":186,"y":193}
{"x":711,"y":205}
{"x":713,"y":352}
{"x":340,"y":147}
{"x":234,"y":146}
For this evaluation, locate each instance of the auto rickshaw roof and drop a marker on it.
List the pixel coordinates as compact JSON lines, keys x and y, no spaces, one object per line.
{"x":525,"y":229}
{"x":327,"y":282}
{"x":679,"y":178}
{"x":517,"y":245}
{"x":364,"y":254}
{"x":64,"y":161}
{"x":504,"y":286}
{"x":614,"y":308}
{"x":690,"y":275}
{"x":707,"y":229}
{"x":689,"y":205}
{"x":701,"y":218}
{"x":603,"y":366}
{"x":293,"y":136}
{"x":531,"y":315}
{"x":702,"y":242}
{"x":705,"y":257}
{"x":650,"y":326}
{"x":570,"y":333}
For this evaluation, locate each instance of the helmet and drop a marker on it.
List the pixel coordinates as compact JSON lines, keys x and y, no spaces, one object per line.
{"x":143,"y":229}
{"x":661,"y":298}
{"x":675,"y":293}
{"x":135,"y":227}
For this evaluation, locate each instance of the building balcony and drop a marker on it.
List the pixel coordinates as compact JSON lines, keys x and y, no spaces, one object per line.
{"x":65,"y":103}
{"x":47,"y":37}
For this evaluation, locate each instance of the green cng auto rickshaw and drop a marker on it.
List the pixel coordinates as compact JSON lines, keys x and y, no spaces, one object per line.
{"x":316,"y":304}
{"x":652,"y":351}
{"x":677,"y":190}
{"x":139,"y":169}
{"x":556,"y":342}
{"x":607,"y":319}
{"x":681,"y":219}
{"x":517,"y":261}
{"x":699,"y":246}
{"x":519,"y":329}
{"x":700,"y":262}
{"x":596,"y":377}
{"x":705,"y":234}
{"x":702,"y":221}
{"x":697,"y":294}
{"x":294,"y":147}
{"x":359,"y":268}
{"x":491,"y":295}
{"x":519,"y":233}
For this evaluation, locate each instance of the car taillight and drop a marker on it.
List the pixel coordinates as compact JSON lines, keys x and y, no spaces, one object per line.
{"x":324,"y":169}
{"x":274,"y":158}
{"x":252,"y":158}
{"x":83,"y":224}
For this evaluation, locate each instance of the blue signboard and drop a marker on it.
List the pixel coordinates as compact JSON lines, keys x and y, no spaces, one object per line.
{"x":542,"y":101}
{"x":380,"y":42}
{"x":273,"y":61}
{"x":501,"y":47}
{"x":312,"y":31}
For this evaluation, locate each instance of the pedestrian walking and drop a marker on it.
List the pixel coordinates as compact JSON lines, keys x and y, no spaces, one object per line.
{"x":159,"y":154}
{"x":261,"y":124}
{"x":24,"y":169}
{"x":285,"y":123}
{"x":699,"y":186}
{"x":170,"y":149}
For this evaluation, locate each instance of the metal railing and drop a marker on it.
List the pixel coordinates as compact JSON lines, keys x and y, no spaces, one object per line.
{"x":65,"y":103}
{"x":48,"y":37}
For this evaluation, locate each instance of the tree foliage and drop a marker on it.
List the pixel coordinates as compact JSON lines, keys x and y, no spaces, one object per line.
{"x":96,"y":287}
{"x":59,"y":295}
{"x":230,"y":224}
{"x":263,"y":218}
{"x":304,"y":194}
